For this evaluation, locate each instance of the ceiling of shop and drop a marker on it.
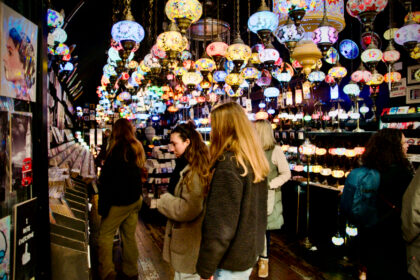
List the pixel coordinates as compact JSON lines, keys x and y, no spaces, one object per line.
{"x":89,"y":25}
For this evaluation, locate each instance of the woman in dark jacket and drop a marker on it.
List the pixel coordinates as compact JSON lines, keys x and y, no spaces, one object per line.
{"x":383,"y":244}
{"x":120,"y":187}
{"x":236,"y":212}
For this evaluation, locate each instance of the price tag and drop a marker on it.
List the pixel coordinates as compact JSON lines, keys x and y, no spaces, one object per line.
{"x":248,"y":104}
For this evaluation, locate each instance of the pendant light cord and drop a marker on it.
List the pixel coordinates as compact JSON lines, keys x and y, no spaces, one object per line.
{"x":249,"y":15}
{"x":237,"y":17}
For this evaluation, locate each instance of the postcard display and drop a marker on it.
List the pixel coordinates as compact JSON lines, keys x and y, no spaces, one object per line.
{"x":71,"y":171}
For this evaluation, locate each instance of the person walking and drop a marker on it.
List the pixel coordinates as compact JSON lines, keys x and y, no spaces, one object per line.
{"x":236,"y":207}
{"x":184,"y":206}
{"x":120,"y":188}
{"x":410,"y":215}
{"x":278,"y":175}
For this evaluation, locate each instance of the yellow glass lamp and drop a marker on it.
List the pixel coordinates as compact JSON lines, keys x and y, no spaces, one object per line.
{"x":238,"y":52}
{"x":234,"y":80}
{"x":183,"y":12}
{"x":172,"y":42}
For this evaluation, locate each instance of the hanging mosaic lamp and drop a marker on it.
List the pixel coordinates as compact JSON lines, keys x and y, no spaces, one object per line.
{"x":205,"y":65}
{"x":238,"y":52}
{"x":332,"y":56}
{"x":192,"y":78}
{"x":313,"y":14}
{"x":269,"y":56}
{"x":54,"y":19}
{"x":183,"y":12}
{"x":349,"y":49}
{"x":172,"y":42}
{"x":325,"y":35}
{"x":365,"y":10}
{"x":371,"y":56}
{"x":217,"y":48}
{"x":219,"y":76}
{"x":289,"y":34}
{"x":338,"y":72}
{"x":392,"y":77}
{"x":263,"y":22}
{"x":307,"y":53}
{"x":408,"y":35}
{"x":265,"y":79}
{"x":250,"y":74}
{"x":390,"y":55}
{"x":361,"y":75}
{"x":234,"y":80}
{"x":316,"y":76}
{"x":377,"y":79}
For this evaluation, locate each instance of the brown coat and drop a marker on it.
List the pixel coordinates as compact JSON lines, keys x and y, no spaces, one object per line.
{"x":184,"y":211}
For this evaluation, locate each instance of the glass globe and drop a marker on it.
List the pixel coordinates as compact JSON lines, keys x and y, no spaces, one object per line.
{"x":57,"y":36}
{"x":393,"y":77}
{"x":408,"y":35}
{"x":267,"y":55}
{"x":250,"y":73}
{"x":325,"y":36}
{"x":172,"y":41}
{"x":376,"y":80}
{"x":316,"y":76}
{"x":351,"y":89}
{"x":390,"y":55}
{"x":238,"y":52}
{"x":234,"y":79}
{"x":127,"y":30}
{"x":365,"y":10}
{"x":338,"y":72}
{"x":219,"y":76}
{"x":271,"y":92}
{"x":217,"y":49}
{"x":349,"y":49}
{"x":192,"y":78}
{"x":205,"y":64}
{"x":190,"y":10}
{"x":54,"y":18}
{"x":263,"y":20}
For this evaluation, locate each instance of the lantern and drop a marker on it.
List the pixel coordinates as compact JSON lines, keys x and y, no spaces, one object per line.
{"x":263,"y":22}
{"x":183,"y":12}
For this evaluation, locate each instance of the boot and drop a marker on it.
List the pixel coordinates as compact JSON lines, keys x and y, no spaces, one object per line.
{"x":263,"y":267}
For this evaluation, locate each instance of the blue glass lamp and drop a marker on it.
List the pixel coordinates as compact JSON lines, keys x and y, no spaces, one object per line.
{"x":271,"y":92}
{"x":263,"y":22}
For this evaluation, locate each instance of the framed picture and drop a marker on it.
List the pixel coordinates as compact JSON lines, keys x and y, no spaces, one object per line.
{"x":411,"y":71}
{"x":18,"y":38}
{"x":413,"y":94}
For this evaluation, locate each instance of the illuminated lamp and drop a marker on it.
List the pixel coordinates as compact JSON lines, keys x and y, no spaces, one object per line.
{"x":265,"y":79}
{"x":54,"y":18}
{"x":296,"y":10}
{"x":250,"y":74}
{"x":191,"y":79}
{"x":276,"y":120}
{"x":337,"y":239}
{"x":56,"y":37}
{"x":127,"y":32}
{"x":334,"y":93}
{"x":408,"y":35}
{"x":157,"y":52}
{"x":238,"y":52}
{"x":271,"y":112}
{"x":351,"y":230}
{"x":263,"y":22}
{"x":320,"y":151}
{"x":365,"y":10}
{"x":188,"y":64}
{"x":269,"y":56}
{"x":298,"y":96}
{"x":234,"y":80}
{"x":185,"y":55}
{"x":371,"y":56}
{"x":289,"y":97}
{"x":338,"y":72}
{"x":217,"y":48}
{"x":172,"y":42}
{"x":325,"y":35}
{"x":205,"y":65}
{"x":316,"y":77}
{"x":62,"y":49}
{"x":337,"y":173}
{"x":350,"y":153}
{"x":219,"y":76}
{"x":124,"y":96}
{"x":392,"y":77}
{"x":307,"y":148}
{"x":133,"y":64}
{"x":314,"y":13}
{"x":368,"y":38}
{"x":390,"y":55}
{"x":205,"y":85}
{"x":349,"y":49}
{"x":289,"y":34}
{"x":68,"y":66}
{"x":271,"y":92}
{"x":331,"y":56}
{"x":361,"y":76}
{"x":180,"y":71}
{"x":113,"y":54}
{"x":283,"y":76}
{"x":183,"y":12}
{"x":351,"y":89}
{"x":109,"y":70}
{"x":172,"y":109}
{"x":261,"y":115}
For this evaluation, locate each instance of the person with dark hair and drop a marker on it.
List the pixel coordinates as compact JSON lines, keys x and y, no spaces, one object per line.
{"x":184,"y":205}
{"x":382,"y":244}
{"x":19,"y":64}
{"x":120,"y":188}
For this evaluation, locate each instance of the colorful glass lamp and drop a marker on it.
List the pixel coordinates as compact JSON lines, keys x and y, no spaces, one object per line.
{"x":172,"y":41}
{"x":289,"y":34}
{"x":263,"y":23}
{"x":183,"y":12}
{"x":325,"y":35}
{"x":371,"y":56}
{"x":238,"y":52}
{"x":365,"y":10}
{"x":408,"y":35}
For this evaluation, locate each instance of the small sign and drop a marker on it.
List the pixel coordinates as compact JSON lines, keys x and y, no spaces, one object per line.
{"x":399,"y":89}
{"x":248,"y":105}
{"x":25,"y":221}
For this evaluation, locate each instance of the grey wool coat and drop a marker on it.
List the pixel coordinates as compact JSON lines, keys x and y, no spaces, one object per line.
{"x":184,"y":211}
{"x":410,"y":216}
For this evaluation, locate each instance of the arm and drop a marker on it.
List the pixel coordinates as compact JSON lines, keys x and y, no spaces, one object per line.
{"x":410,"y":213}
{"x":185,"y":208}
{"x":221,"y":218}
{"x":279,"y":159}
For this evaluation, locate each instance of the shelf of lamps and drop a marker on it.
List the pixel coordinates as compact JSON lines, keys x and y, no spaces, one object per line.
{"x":344,"y":133}
{"x":401,"y":118}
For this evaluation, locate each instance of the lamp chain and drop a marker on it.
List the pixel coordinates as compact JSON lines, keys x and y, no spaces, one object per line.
{"x":127,"y":10}
{"x":237,"y":17}
{"x":150,"y":21}
{"x":249,"y":15}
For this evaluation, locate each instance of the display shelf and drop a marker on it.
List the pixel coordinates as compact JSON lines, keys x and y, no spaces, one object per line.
{"x":303,"y":181}
{"x":339,"y":134}
{"x":401,"y":118}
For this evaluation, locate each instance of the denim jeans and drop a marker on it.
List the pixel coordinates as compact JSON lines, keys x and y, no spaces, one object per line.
{"x":185,"y":276}
{"x":222,"y":274}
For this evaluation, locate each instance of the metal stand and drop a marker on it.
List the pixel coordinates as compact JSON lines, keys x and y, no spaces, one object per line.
{"x":306,"y":242}
{"x":358,"y":129}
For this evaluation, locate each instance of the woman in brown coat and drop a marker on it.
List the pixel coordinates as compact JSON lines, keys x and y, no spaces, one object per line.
{"x":185,"y":206}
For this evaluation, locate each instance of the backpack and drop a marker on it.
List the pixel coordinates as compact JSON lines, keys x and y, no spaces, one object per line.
{"x":360,"y":193}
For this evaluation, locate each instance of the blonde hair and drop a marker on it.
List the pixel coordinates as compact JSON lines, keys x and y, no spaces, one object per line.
{"x":232,"y":131}
{"x":265,"y":131}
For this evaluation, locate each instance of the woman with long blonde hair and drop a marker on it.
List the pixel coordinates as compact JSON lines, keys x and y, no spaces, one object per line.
{"x":120,"y":188}
{"x":278,"y":175}
{"x":184,"y":204}
{"x":236,"y":211}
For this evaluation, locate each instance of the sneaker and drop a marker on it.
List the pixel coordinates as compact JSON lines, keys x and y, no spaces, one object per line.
{"x":263,"y":267}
